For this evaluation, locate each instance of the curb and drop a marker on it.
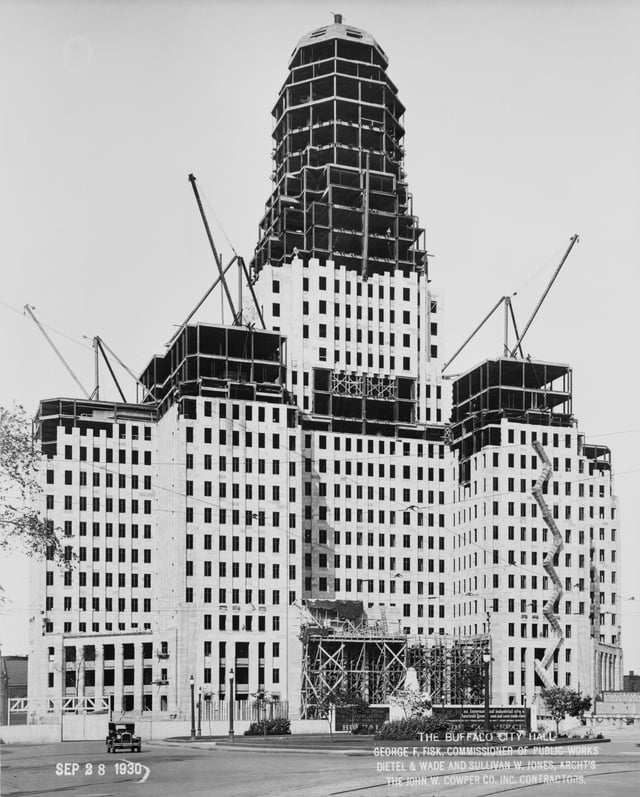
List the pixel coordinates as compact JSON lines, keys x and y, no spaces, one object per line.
{"x":244,"y":748}
{"x":193,"y":745}
{"x":309,"y":750}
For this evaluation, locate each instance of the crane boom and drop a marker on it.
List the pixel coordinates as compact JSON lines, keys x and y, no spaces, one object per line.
{"x":29,"y":309}
{"x":216,"y":256}
{"x":574,"y":240}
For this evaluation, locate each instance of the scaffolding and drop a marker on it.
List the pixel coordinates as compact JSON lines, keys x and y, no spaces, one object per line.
{"x":344,"y":655}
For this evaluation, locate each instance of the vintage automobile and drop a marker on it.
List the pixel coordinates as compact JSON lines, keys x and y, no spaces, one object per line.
{"x":122,"y":737}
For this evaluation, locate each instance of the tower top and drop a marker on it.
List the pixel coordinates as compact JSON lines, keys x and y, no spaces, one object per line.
{"x":338,"y":30}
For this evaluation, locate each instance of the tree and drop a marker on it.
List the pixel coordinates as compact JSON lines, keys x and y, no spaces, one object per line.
{"x":326,"y":703}
{"x":562,"y":701}
{"x":263,"y":699}
{"x":21,"y":520}
{"x":413,"y":703}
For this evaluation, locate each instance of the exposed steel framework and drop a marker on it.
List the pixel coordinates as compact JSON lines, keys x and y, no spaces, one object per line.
{"x":355,"y":657}
{"x":340,"y":189}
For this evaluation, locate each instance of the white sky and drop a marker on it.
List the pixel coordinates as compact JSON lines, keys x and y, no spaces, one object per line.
{"x":523,"y":123}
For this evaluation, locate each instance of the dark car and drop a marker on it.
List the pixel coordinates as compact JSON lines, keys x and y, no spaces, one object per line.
{"x":122,"y":737}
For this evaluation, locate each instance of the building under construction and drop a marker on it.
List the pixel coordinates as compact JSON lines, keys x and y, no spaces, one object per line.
{"x":297,"y":465}
{"x":535,"y":531}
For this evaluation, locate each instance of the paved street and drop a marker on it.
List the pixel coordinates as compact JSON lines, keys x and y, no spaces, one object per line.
{"x":83,"y":769}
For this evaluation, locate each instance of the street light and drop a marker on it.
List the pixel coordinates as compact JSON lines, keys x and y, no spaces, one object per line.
{"x":231,"y":704}
{"x":193,"y":713}
{"x":199,"y":712}
{"x":486,"y":658}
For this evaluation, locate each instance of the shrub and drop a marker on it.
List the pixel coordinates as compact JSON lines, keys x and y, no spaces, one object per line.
{"x":410,"y":729}
{"x":275,"y":727}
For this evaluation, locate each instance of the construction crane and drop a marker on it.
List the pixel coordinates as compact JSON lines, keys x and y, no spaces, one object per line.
{"x":28,"y":308}
{"x":509,"y":314}
{"x":99,"y":346}
{"x":221,"y":278}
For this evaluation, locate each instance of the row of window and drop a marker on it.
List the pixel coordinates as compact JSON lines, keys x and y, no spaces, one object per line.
{"x":525,"y":607}
{"x":530,"y":557}
{"x":207,"y":540}
{"x":527,"y":437}
{"x":406,"y":338}
{"x":83,"y":504}
{"x":408,"y":540}
{"x":239,"y":623}
{"x":527,"y":487}
{"x":248,"y":414}
{"x":275,"y":679}
{"x":234,"y":571}
{"x":433,"y":450}
{"x":108,"y":455}
{"x":532,"y":581}
{"x":67,"y":627}
{"x":234,"y":515}
{"x":511,"y":678}
{"x":524,"y":628}
{"x":406,"y":361}
{"x":338,"y":443}
{"x":371,"y":564}
{"x":134,"y":431}
{"x":407,"y":493}
{"x":223,"y":438}
{"x":408,"y":518}
{"x":108,"y":529}
{"x":95,"y":579}
{"x":461,"y":539}
{"x":234,"y":596}
{"x":241,"y":652}
{"x":108,"y":554}
{"x":383,"y":471}
{"x":96,"y":476}
{"x":322,"y":310}
{"x":530,"y":510}
{"x":322,"y":285}
{"x":108,"y":651}
{"x":408,"y":472}
{"x":248,"y":491}
{"x":108,"y":677}
{"x":109,"y":604}
{"x":362,"y":585}
{"x":235,"y":465}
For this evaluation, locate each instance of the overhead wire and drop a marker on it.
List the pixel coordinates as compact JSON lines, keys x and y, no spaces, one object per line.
{"x":77,"y":341}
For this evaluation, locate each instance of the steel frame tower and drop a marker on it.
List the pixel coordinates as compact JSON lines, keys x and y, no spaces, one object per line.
{"x":338,"y":160}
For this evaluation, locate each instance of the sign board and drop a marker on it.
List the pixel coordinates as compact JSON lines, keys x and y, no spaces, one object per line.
{"x":348,"y":718}
{"x":501,"y":718}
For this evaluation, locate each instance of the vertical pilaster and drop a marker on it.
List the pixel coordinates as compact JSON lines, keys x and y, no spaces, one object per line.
{"x":99,"y":671}
{"x":137,"y":678}
{"x":118,"y":689}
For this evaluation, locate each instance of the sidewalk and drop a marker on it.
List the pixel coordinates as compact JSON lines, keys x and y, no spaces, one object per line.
{"x":342,"y":744}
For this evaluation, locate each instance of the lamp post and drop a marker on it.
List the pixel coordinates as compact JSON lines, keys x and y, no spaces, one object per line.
{"x":199,"y":734}
{"x":486,"y":658}
{"x":193,"y":712}
{"x":231,"y":704}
